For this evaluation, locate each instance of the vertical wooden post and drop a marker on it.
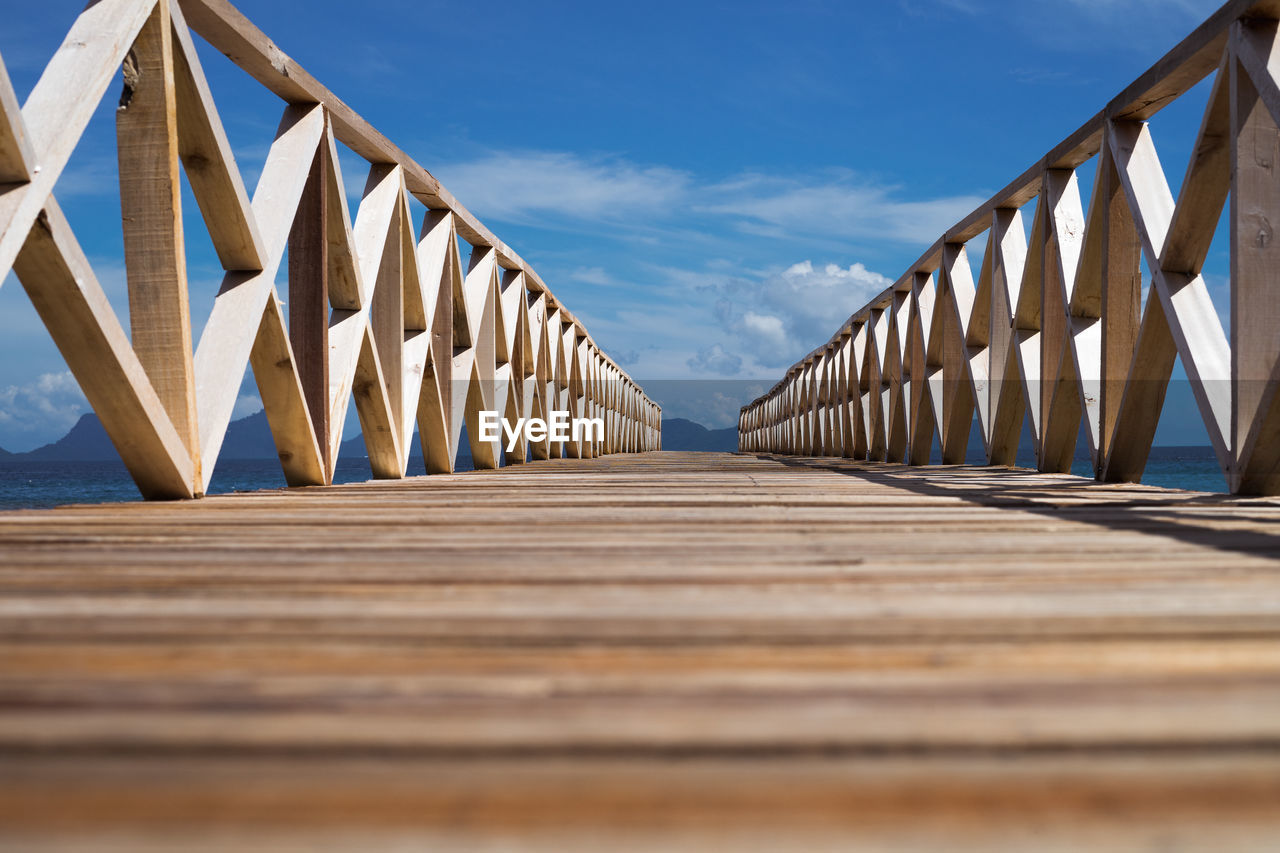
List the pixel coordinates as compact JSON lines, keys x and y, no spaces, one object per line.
{"x":309,"y":302}
{"x":438,"y":249}
{"x":151,"y":211}
{"x":387,"y":320}
{"x":898,"y":378}
{"x":957,"y":394}
{"x":1005,"y":390}
{"x":1060,"y":423}
{"x":1255,"y":310}
{"x":1121,"y":305}
{"x":877,"y":331}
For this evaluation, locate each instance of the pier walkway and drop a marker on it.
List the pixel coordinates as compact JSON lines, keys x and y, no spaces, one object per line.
{"x":689,"y":650}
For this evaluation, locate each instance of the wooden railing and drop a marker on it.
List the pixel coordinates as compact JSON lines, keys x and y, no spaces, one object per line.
{"x":375,"y":312}
{"x":1056,"y":327}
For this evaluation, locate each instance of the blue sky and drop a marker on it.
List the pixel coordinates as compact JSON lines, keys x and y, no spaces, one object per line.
{"x":712,"y":187}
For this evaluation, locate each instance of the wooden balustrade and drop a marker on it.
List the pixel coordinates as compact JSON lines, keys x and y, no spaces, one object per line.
{"x":376,"y":313}
{"x":1056,"y":327}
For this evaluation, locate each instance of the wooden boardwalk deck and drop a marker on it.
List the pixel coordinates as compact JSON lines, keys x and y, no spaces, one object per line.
{"x":688,"y":651}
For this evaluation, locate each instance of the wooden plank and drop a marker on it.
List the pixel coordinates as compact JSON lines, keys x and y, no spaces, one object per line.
{"x":209,"y":162}
{"x":1121,"y":311}
{"x":1061,"y":399}
{"x":1010,"y":409}
{"x":923,"y":417}
{"x":978,"y":659}
{"x":61,"y":104}
{"x":309,"y":305}
{"x":869,"y":386}
{"x":73,"y":307}
{"x":232,"y":328}
{"x":987,"y":803}
{"x":480,"y":288}
{"x":1142,"y":396}
{"x":953,"y":389}
{"x":1205,"y":186}
{"x":1084,"y":310}
{"x":151,"y":213}
{"x":16,"y":156}
{"x":387,"y":319}
{"x":440,"y":275}
{"x":580,"y":391}
{"x":416,"y":335}
{"x":285,"y":402}
{"x":359,"y":258}
{"x":966,"y":362}
{"x":378,"y":426}
{"x":1255,"y":315}
{"x":511,"y":304}
{"x":897,"y":424}
{"x":1007,"y":252}
{"x":1189,"y":311}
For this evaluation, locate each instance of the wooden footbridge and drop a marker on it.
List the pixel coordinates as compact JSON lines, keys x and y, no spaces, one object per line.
{"x":821,"y":642}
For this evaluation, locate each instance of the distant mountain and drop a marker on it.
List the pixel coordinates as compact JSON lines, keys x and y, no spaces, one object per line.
{"x":249,"y":438}
{"x":86,"y":442}
{"x":680,"y":434}
{"x":354,"y":448}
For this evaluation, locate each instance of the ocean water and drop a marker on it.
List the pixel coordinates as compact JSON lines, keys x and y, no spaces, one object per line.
{"x":29,"y":484}
{"x":1192,"y":468}
{"x":47,"y":484}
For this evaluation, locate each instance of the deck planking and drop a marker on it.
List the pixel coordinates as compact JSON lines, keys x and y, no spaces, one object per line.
{"x":691,"y":651}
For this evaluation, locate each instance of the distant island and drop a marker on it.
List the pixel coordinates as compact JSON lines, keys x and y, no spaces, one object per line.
{"x":247,"y":438}
{"x":83,"y":467}
{"x":250,"y":438}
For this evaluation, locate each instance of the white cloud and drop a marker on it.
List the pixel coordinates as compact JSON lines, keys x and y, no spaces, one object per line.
{"x":766,"y":328}
{"x":715,"y":404}
{"x":558,"y":189}
{"x":40,"y":411}
{"x":593,"y":275}
{"x":719,"y":409}
{"x":766,"y":319}
{"x":526,"y":186}
{"x":246,"y":404}
{"x":781,"y":316}
{"x":835,"y":204}
{"x":715,"y":359}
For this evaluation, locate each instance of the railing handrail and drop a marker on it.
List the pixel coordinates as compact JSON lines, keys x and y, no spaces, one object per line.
{"x":227,"y":29}
{"x":1238,"y":41}
{"x":377,"y":310}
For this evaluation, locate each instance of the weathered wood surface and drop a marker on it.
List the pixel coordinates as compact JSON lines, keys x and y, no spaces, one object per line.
{"x":685,"y":651}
